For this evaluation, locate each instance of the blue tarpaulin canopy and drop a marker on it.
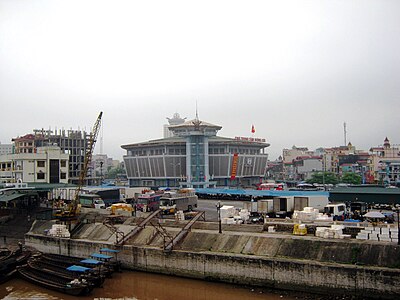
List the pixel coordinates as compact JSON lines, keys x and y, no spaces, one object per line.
{"x":76,"y":268}
{"x":259,"y":193}
{"x":101,"y":256}
{"x":108,"y":250}
{"x":91,"y":261}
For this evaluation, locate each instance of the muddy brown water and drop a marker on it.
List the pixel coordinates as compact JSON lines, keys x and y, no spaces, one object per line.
{"x":138,"y":285}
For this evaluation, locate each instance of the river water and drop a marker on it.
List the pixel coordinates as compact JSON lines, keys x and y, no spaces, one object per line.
{"x":137,"y":285}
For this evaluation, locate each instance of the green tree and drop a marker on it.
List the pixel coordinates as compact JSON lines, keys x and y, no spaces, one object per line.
{"x":351,"y":178}
{"x":113,"y":172}
{"x":323,"y":177}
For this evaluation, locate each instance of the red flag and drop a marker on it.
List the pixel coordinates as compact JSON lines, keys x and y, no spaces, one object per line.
{"x":253,"y":129}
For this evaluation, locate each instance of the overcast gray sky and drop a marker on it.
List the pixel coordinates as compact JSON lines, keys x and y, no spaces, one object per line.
{"x":295,"y":69}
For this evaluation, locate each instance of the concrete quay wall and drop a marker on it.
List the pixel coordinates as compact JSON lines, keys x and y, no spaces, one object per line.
{"x":275,"y":272}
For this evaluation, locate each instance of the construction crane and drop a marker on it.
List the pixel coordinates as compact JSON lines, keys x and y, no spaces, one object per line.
{"x":71,"y":212}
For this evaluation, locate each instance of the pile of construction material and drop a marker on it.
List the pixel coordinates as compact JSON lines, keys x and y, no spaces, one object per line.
{"x":382,"y":234}
{"x":231,"y":215}
{"x":333,"y":232}
{"x":59,"y":230}
{"x":244,"y":215}
{"x":179,"y":215}
{"x":310,"y":214}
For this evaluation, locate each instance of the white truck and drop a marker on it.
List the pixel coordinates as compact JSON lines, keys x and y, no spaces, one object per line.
{"x":285,"y":206}
{"x":317,"y":202}
{"x":336,"y":210}
{"x":262,"y":206}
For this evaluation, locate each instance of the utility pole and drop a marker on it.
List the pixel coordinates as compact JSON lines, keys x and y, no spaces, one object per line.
{"x":323,"y":170}
{"x":101,"y":172}
{"x":219,"y":216}
{"x":345,"y":133}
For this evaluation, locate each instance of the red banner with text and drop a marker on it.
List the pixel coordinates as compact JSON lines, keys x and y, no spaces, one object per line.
{"x":235,"y":161}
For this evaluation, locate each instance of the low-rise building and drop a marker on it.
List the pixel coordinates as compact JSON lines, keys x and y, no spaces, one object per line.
{"x":48,"y":165}
{"x":385,"y":163}
{"x":305,"y":166}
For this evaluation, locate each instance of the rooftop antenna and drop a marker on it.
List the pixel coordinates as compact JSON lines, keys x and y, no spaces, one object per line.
{"x":197,"y":115}
{"x":345,"y":133}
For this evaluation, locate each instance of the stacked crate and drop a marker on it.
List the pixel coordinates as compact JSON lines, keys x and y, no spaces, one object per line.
{"x":384,"y":234}
{"x":333,"y":232}
{"x":59,"y":231}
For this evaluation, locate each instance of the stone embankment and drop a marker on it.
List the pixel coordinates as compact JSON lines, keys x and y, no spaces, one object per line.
{"x":243,"y":254}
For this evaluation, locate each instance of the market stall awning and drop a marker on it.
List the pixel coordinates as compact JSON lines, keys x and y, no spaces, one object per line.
{"x":374,"y":214}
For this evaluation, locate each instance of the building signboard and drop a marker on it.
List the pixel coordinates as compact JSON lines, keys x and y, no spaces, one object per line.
{"x":250,"y":139}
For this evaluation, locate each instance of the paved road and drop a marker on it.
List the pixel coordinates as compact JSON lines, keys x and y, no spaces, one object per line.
{"x":210,"y":207}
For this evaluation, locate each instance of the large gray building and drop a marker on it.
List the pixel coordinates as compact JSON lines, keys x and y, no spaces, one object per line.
{"x":196,"y":157}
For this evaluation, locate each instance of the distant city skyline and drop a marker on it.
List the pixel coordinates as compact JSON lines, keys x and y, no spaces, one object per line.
{"x":272,"y":155}
{"x":296,"y":70}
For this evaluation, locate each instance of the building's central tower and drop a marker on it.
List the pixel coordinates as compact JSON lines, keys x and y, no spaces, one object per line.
{"x":196,"y":134}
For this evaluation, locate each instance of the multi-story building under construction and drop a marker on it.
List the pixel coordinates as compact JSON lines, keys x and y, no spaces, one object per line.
{"x":71,"y":142}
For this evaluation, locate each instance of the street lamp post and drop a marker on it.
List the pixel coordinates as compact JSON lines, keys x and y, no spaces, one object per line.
{"x":101,"y":172}
{"x":323,"y":171}
{"x":397,"y":210}
{"x":219,"y":216}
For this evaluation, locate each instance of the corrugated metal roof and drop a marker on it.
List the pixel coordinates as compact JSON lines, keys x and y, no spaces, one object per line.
{"x":49,"y":186}
{"x":7,"y":198}
{"x":366,"y":190}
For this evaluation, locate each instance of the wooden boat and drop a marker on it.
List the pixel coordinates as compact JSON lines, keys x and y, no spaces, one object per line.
{"x":116,"y":264}
{"x":5,"y":253}
{"x":67,"y":261}
{"x":93,"y":278}
{"x":4,"y":277}
{"x":73,"y":287}
{"x":8,"y":265}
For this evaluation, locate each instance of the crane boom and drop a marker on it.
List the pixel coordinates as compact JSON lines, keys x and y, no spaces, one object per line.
{"x":72,"y":210}
{"x":88,"y":156}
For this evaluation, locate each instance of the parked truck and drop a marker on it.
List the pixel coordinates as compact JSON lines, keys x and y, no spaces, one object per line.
{"x":265,"y":206}
{"x":337,"y":211}
{"x":285,"y":206}
{"x":251,"y":207}
{"x":317,"y":202}
{"x":262,"y":206}
{"x":91,"y":200}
